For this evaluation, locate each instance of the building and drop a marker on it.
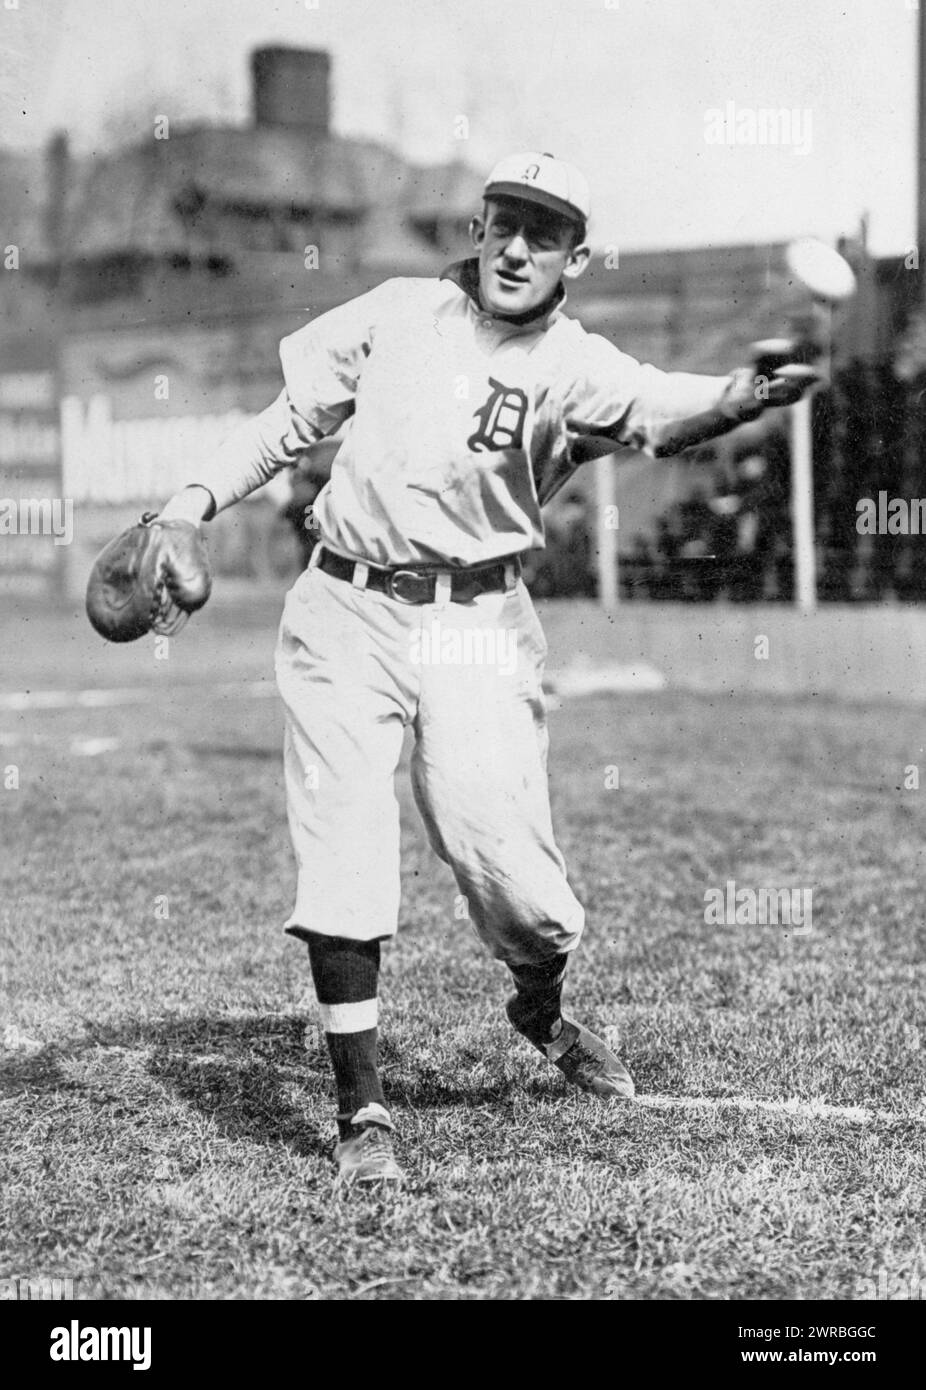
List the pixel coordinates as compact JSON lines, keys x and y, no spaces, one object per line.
{"x":153,"y":285}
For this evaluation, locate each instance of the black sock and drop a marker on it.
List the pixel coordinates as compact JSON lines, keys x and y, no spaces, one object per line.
{"x":346,"y":977}
{"x":356,"y":1074}
{"x":536,"y":1009}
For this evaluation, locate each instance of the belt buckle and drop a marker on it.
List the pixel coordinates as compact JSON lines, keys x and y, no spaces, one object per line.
{"x":409,"y":586}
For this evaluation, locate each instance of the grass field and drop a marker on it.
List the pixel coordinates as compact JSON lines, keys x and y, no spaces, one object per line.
{"x":167,"y":1118}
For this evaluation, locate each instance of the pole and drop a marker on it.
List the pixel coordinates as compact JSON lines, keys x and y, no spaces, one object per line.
{"x":802,"y":531}
{"x":606,"y":519}
{"x":818,"y":338}
{"x":921,"y":135}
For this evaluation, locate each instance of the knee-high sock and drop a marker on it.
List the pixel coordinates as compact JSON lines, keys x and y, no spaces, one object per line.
{"x":346,"y":977}
{"x":536,"y":1009}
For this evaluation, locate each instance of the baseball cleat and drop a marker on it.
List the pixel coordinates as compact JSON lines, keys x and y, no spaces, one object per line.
{"x":367,"y":1156}
{"x":587,"y":1062}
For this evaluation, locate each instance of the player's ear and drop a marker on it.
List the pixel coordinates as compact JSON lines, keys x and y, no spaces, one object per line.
{"x":578,"y":260}
{"x":477,"y":230}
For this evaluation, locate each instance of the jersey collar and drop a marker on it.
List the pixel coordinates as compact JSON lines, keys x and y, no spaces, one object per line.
{"x":465,"y":275}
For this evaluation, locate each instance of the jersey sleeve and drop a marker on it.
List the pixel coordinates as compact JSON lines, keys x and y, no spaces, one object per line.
{"x":321,"y":363}
{"x":612,"y":396}
{"x":252,"y":454}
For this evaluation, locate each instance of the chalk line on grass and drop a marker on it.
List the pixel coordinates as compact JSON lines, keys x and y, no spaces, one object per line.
{"x":12,"y":1039}
{"x":581,"y":676}
{"x":93,"y":747}
{"x":571,"y":682}
{"x":129,"y":695}
{"x":803,"y":1109}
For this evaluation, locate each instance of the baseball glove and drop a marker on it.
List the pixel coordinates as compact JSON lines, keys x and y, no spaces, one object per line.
{"x":149,"y":579}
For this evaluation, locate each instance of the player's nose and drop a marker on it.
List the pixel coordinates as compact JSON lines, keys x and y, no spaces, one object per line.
{"x":517,"y":249}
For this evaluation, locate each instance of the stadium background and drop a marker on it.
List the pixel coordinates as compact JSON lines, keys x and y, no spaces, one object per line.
{"x":156,"y":280}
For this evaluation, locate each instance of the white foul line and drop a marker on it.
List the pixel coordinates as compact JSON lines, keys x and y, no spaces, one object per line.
{"x":560,"y":686}
{"x":804,"y":1109}
{"x":128,"y":695}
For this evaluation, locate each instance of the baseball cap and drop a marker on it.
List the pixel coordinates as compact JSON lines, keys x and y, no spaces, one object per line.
{"x":543,"y":179}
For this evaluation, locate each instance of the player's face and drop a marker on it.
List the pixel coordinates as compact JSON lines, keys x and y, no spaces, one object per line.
{"x":524,"y":252}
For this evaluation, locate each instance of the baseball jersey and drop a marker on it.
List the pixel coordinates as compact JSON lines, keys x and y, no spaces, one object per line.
{"x":459,"y":425}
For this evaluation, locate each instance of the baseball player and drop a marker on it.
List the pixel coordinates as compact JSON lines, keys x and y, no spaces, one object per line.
{"x":467,"y":400}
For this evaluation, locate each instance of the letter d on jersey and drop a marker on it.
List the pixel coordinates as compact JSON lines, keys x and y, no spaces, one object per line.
{"x":501,"y":419}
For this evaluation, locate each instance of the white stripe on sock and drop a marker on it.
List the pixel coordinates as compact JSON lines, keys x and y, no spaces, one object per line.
{"x":349,"y":1018}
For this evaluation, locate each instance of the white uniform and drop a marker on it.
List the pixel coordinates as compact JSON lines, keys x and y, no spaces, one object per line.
{"x":460,"y":426}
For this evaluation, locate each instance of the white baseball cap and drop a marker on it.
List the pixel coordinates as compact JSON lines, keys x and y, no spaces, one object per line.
{"x":540,"y":178}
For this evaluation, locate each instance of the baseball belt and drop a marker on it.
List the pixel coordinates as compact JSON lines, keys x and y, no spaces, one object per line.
{"x":419,"y":584}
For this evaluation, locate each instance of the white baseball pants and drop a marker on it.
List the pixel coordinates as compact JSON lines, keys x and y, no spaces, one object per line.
{"x":354,"y":668}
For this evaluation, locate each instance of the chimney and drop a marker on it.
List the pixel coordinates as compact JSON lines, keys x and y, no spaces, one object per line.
{"x":291,"y":88}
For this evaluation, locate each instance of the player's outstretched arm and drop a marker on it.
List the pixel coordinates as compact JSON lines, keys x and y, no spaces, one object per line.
{"x":157,"y":572}
{"x":322,"y":363}
{"x":153,"y":575}
{"x":614,"y":397}
{"x":245,"y":460}
{"x":745,"y":396}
